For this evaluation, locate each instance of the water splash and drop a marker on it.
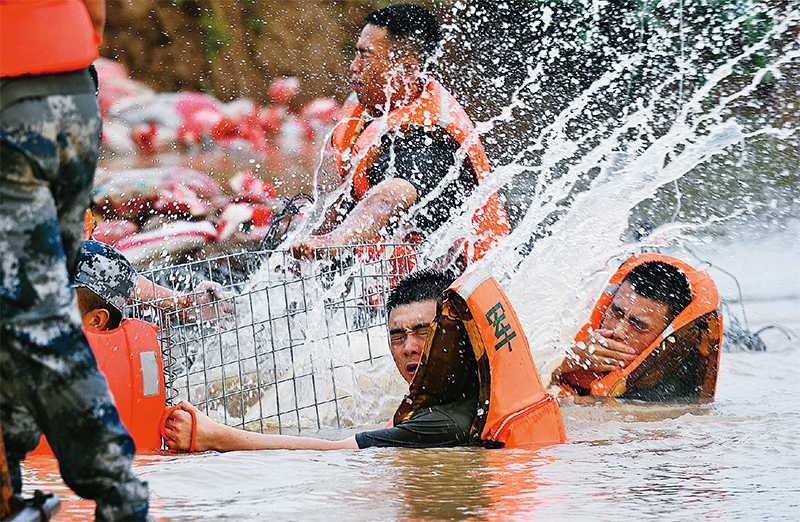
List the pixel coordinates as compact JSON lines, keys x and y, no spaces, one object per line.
{"x":579,"y":169}
{"x":588,"y":168}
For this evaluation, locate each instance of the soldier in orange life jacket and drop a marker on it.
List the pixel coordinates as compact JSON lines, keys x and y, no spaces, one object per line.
{"x":127,"y":351}
{"x":471,"y":378}
{"x":653,"y":335}
{"x":406,"y":153}
{"x":49,"y":145}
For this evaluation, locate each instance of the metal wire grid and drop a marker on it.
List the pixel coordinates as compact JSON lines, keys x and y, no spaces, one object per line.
{"x":280,"y":352}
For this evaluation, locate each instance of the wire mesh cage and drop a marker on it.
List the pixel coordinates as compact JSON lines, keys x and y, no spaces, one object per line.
{"x":283,"y":350}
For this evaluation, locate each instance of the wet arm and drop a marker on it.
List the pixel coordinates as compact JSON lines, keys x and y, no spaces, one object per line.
{"x":147,"y":290}
{"x":205,"y":292}
{"x":218,"y":437}
{"x":410,"y":169}
{"x":335,"y":214}
{"x":366,"y":220}
{"x":235,"y":439}
{"x":372,"y":213}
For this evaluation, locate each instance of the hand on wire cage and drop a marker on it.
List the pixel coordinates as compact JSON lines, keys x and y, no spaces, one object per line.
{"x":208,"y":302}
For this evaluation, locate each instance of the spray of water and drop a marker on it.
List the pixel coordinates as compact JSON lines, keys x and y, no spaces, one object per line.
{"x":593,"y":163}
{"x":660,"y":125}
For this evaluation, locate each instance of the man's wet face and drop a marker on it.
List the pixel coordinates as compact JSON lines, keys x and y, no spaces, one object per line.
{"x":408,"y":330}
{"x":635,"y":320}
{"x":374,"y":68}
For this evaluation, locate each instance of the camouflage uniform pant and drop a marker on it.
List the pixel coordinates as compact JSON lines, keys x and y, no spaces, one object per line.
{"x":49,"y":378}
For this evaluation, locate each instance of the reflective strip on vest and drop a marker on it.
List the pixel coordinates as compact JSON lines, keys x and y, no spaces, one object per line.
{"x":473,"y":281}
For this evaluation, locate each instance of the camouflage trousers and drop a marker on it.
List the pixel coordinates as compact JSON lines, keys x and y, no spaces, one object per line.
{"x":49,"y":381}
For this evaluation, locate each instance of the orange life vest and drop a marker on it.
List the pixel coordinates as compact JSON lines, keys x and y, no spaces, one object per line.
{"x":45,"y":36}
{"x":476,"y":329}
{"x":690,"y":342}
{"x":130,"y":359}
{"x":356,"y":150}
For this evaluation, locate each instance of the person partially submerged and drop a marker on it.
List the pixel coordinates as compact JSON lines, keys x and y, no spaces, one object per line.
{"x":654,"y":334}
{"x":439,"y":333}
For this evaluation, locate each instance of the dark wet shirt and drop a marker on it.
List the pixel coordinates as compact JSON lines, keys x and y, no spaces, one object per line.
{"x":436,"y":426}
{"x":424,"y":157}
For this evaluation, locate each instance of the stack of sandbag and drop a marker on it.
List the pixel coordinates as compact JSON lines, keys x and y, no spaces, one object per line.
{"x":171,"y":214}
{"x":138,"y":120}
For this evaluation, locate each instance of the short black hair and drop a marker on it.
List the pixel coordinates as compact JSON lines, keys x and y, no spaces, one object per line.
{"x":427,"y":284}
{"x":661,"y":282}
{"x":412,"y":24}
{"x":91,"y":301}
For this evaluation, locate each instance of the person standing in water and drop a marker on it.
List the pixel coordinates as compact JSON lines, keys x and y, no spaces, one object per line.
{"x":49,"y":146}
{"x":403,"y":146}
